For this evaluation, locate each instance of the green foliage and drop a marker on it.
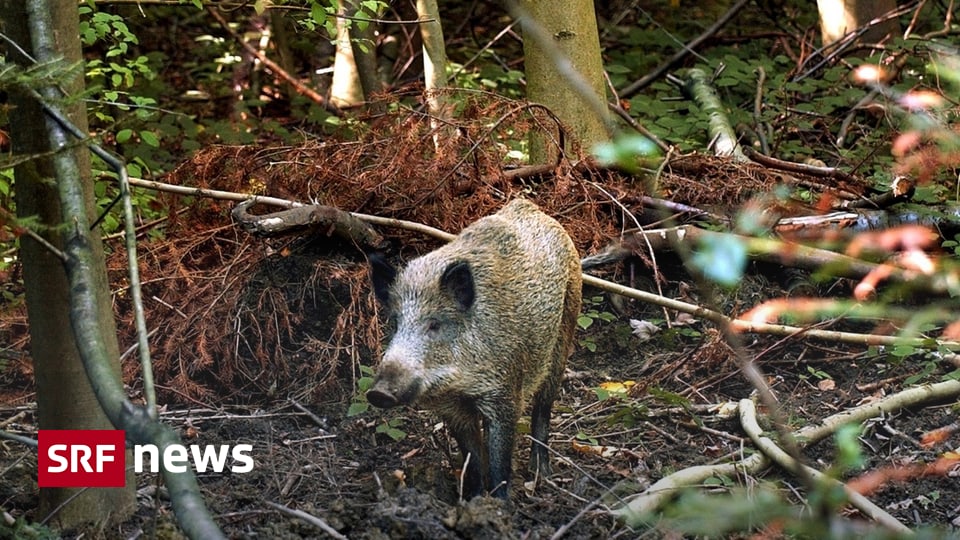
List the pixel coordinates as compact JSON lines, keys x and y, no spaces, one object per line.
{"x":589,"y":316}
{"x":359,"y":403}
{"x":118,"y":68}
{"x":322,"y":15}
{"x":697,"y":513}
{"x":391,"y":428}
{"x":593,"y":313}
{"x":817,"y":374}
{"x":486,"y":76}
{"x":669,"y":398}
{"x":627,"y":415}
{"x":721,"y":259}
{"x":849,"y":453}
{"x":927,"y":369}
{"x":626,"y":152}
{"x":586,"y":439}
{"x":22,"y":529}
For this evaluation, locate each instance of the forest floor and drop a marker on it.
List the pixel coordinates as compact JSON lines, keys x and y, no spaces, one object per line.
{"x":271,"y":354}
{"x":367,"y":485}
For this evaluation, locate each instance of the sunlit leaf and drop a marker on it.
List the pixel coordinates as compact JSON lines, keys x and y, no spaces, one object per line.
{"x":722,"y":259}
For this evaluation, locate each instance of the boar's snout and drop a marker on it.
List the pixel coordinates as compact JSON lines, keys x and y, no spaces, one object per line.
{"x":393,"y":386}
{"x":381,"y":398}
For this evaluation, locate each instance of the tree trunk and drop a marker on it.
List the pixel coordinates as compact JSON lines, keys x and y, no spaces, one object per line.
{"x":345,"y":89}
{"x":434,"y":52}
{"x":569,"y":27}
{"x":64,"y":396}
{"x":839,"y":17}
{"x":355,"y":77}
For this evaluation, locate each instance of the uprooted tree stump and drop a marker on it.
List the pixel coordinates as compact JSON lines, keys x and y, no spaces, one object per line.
{"x":310,"y":307}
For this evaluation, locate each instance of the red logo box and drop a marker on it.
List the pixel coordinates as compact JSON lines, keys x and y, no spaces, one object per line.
{"x":81,"y":458}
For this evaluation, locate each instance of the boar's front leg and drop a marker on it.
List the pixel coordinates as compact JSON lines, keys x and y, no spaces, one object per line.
{"x":500,"y":418}
{"x":465,"y":428}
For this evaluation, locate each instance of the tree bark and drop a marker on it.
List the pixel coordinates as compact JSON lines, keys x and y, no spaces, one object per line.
{"x":355,"y":77}
{"x":65,"y":399}
{"x":345,"y":89}
{"x":570,"y":26}
{"x":434,"y":69}
{"x":839,"y":17}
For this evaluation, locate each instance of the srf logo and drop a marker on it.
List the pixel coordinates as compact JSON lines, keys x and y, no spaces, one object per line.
{"x":81,"y":458}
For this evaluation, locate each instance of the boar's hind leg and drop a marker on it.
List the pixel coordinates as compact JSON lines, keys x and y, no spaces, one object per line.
{"x":465,"y":429}
{"x":550,"y":389}
{"x":540,"y":425}
{"x":501,"y":426}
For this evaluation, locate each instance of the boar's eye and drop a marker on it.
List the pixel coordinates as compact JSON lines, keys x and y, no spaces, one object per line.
{"x":433,"y":326}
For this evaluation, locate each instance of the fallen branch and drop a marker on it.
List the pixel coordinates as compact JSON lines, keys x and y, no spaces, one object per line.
{"x":789,"y":166}
{"x":911,"y":397}
{"x":697,"y":87}
{"x":741,"y":325}
{"x":314,"y":219}
{"x":748,"y":420}
{"x":654,"y":497}
{"x":770,"y":250}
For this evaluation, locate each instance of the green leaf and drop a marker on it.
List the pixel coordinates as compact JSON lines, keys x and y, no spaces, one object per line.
{"x":584,"y":322}
{"x":392,"y":432}
{"x":722,"y":259}
{"x":149,"y":138}
{"x":624,"y":151}
{"x":124,"y":135}
{"x":318,"y":14}
{"x":357,"y":407}
{"x":849,"y":453}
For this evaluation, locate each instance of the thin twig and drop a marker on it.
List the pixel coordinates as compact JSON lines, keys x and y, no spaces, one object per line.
{"x":275,"y":68}
{"x":688,"y":48}
{"x":309,"y":518}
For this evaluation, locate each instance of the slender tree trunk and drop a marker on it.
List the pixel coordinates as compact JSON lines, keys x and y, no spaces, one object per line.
{"x":64,"y":397}
{"x":434,"y":53}
{"x":559,"y":81}
{"x":345,"y":89}
{"x":355,"y":77}
{"x":435,"y":70}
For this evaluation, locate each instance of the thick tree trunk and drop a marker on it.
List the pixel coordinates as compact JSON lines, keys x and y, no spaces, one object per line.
{"x":570,"y":27}
{"x":839,"y":17}
{"x":64,"y":397}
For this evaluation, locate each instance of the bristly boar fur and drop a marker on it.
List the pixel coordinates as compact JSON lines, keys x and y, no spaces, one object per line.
{"x":483,"y":324}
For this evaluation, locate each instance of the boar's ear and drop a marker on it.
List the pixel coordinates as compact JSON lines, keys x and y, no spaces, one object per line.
{"x":457,"y":281}
{"x":382,"y":274}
